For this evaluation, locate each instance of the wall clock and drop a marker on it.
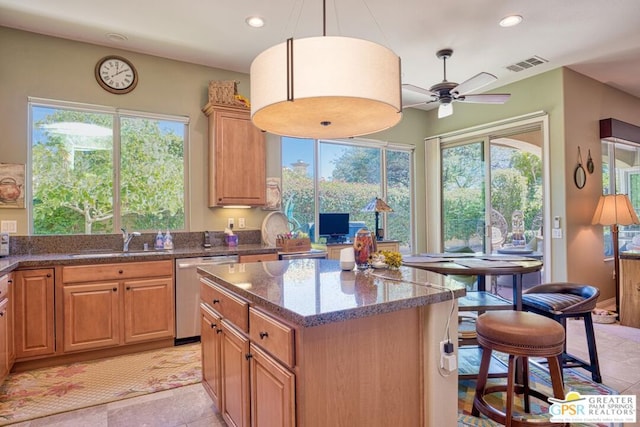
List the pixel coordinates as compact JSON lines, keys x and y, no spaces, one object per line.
{"x":116,"y":74}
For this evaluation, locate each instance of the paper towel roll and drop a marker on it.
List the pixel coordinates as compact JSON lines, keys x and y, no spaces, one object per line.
{"x":347,"y":259}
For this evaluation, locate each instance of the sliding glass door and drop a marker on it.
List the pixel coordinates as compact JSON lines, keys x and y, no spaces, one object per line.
{"x":489,"y":184}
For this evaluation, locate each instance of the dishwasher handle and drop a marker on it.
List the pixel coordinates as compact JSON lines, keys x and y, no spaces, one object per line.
{"x":192,"y":263}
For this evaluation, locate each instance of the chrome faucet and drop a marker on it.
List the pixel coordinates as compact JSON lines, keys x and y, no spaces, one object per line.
{"x":126,"y":237}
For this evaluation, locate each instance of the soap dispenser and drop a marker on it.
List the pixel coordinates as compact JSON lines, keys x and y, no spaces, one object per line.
{"x":159,"y":242}
{"x":168,"y":240}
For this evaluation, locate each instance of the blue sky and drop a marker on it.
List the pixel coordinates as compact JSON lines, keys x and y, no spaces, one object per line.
{"x":294,"y":149}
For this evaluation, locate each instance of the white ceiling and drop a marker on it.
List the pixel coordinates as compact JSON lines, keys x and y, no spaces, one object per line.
{"x":597,"y":38}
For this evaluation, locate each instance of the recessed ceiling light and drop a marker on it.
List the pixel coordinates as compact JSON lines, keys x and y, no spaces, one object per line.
{"x":115,"y":37}
{"x":510,"y":21}
{"x":254,"y":21}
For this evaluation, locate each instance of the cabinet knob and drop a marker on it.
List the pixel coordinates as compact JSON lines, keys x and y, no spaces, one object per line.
{"x":9,"y":281}
{"x":115,"y":289}
{"x":248,"y":356}
{"x":128,"y":288}
{"x":213,"y":326}
{"x":216,"y":301}
{"x":218,"y":331}
{"x":1,"y":313}
{"x":48,"y":274}
{"x":637,"y":286}
{"x":120,"y":271}
{"x":264,"y":335}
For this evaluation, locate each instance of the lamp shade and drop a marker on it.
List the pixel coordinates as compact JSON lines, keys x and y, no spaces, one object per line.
{"x":326,"y":87}
{"x":615,"y":209}
{"x":377,"y":205}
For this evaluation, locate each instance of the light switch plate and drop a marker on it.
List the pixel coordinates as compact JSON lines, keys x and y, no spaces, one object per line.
{"x":8,"y":226}
{"x":556,"y":233}
{"x":241,"y":223}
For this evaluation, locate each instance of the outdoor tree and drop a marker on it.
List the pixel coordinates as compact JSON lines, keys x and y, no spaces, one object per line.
{"x":73,"y":175}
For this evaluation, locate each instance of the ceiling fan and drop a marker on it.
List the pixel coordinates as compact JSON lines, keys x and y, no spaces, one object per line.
{"x":447,"y":92}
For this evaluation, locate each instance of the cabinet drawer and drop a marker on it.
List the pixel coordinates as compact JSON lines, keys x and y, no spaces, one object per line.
{"x":230,"y":307}
{"x":4,"y":286}
{"x":125,"y":270}
{"x":272,"y":335}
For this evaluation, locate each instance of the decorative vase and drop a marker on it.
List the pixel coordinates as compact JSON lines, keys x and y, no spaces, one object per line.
{"x":363,"y":247}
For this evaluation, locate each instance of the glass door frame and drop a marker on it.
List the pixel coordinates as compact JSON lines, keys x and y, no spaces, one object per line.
{"x":433,"y":145}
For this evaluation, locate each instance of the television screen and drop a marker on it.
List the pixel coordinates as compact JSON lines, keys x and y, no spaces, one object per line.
{"x":334,"y":224}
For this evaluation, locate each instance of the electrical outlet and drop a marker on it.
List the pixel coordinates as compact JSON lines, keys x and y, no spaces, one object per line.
{"x":448,"y":361}
{"x":9,"y":226}
{"x":230,"y":222}
{"x":241,"y":223}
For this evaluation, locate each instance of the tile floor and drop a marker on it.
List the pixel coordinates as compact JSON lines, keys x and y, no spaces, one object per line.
{"x":618,"y":352}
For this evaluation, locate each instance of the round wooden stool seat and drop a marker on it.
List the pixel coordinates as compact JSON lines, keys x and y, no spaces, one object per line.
{"x":521,"y":335}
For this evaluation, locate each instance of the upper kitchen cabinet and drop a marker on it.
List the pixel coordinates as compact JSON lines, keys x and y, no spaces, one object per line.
{"x":237,"y":157}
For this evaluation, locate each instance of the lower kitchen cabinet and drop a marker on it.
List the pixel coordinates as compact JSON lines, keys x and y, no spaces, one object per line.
{"x":250,"y":386}
{"x":34,"y":321}
{"x":7,"y":349}
{"x":4,"y":332}
{"x":91,"y":316}
{"x":119,"y":306}
{"x":630,"y":292}
{"x":210,"y":336}
{"x":272,"y":391}
{"x":234,"y":369}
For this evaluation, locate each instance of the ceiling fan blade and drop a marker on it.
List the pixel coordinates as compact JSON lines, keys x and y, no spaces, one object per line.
{"x":474,"y":83}
{"x":419,"y":103}
{"x":445,"y":110}
{"x":486,"y":98}
{"x":417,"y":89}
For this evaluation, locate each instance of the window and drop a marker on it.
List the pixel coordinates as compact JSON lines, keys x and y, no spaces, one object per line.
{"x":95,"y":170}
{"x":337,"y":176}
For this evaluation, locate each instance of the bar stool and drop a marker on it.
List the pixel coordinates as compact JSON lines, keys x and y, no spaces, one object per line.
{"x":560,"y":301}
{"x":520,"y":335}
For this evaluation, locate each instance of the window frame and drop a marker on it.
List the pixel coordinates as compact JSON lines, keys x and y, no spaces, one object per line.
{"x":366,"y":143}
{"x":118,"y":114}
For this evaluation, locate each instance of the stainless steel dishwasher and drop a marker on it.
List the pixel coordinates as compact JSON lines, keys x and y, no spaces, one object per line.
{"x":188,"y":295}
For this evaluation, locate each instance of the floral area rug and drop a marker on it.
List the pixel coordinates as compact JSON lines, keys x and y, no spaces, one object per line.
{"x":48,"y":391}
{"x":574,"y":380}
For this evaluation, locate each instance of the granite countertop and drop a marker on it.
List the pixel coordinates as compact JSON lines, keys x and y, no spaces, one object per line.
{"x":311,"y":292}
{"x":10,"y":263}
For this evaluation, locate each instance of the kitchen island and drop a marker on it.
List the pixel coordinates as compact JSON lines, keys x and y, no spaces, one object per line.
{"x":303,"y":343}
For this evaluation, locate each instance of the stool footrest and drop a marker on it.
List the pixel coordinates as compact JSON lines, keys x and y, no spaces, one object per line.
{"x":517,"y":420}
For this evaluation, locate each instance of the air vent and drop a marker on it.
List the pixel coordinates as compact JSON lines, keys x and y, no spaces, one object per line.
{"x":527,"y":63}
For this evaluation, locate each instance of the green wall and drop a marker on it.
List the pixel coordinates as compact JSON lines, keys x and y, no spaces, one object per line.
{"x":52,"y":68}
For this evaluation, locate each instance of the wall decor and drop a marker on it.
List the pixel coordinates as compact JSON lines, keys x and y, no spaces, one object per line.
{"x":590,"y":166}
{"x":579,"y":175}
{"x":12,"y":185}
{"x":274,"y":194}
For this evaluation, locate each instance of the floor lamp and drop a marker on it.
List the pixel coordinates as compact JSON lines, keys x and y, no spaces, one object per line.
{"x":614,"y":210}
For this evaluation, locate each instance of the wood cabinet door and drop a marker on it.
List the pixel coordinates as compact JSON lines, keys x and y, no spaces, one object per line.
{"x":210,"y":335}
{"x":238,"y":156}
{"x":272,"y":391}
{"x":630,"y":292}
{"x":91,"y":316}
{"x":235,"y":377}
{"x":34,"y":321}
{"x":4,"y":332}
{"x":11,"y":349}
{"x":148,"y":309}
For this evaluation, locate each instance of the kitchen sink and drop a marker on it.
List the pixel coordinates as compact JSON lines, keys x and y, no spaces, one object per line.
{"x":114,"y":254}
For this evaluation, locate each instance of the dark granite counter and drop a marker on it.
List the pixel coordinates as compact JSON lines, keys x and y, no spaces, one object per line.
{"x":10,"y":263}
{"x":310,"y":292}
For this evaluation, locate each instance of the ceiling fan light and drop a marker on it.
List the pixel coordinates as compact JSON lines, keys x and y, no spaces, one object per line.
{"x":510,"y":21}
{"x":326,"y":87}
{"x":445,"y":110}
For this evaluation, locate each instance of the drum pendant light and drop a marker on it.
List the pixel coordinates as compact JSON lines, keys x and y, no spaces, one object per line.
{"x":326,"y":87}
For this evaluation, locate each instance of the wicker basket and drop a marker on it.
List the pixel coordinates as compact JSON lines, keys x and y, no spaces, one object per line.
{"x":294,"y":245}
{"x":224,"y":92}
{"x":604,"y":318}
